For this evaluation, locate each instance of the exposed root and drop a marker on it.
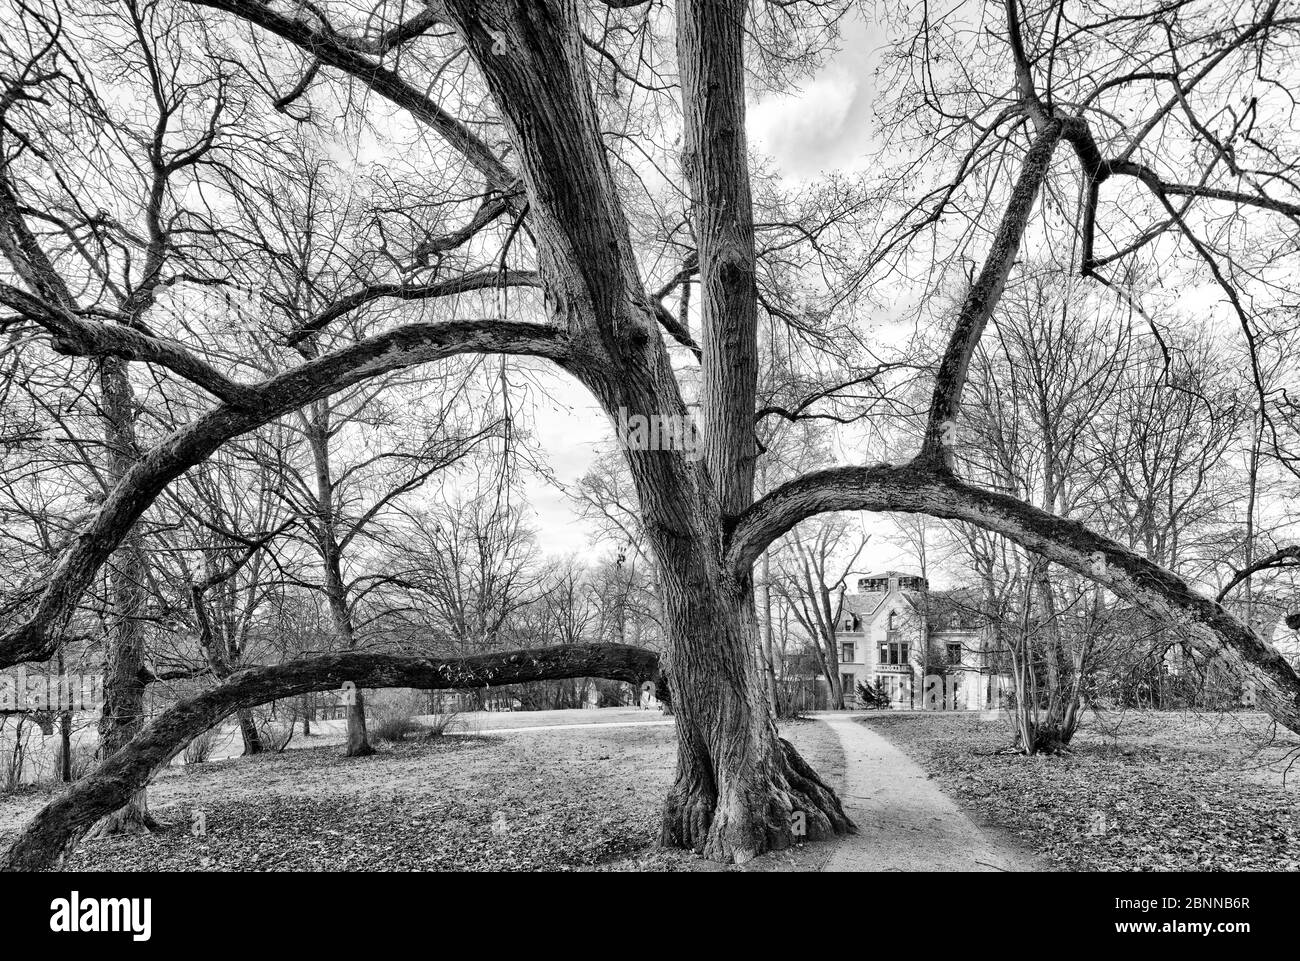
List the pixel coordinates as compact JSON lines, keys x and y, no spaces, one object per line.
{"x":134,"y":819}
{"x":754,"y":816}
{"x":688,"y":812}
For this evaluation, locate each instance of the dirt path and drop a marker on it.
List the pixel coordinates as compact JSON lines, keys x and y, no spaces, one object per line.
{"x":230,"y":744}
{"x":905,"y":822}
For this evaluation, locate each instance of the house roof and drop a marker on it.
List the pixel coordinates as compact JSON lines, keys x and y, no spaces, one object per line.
{"x":955,"y":610}
{"x":867,"y":603}
{"x":864,"y":604}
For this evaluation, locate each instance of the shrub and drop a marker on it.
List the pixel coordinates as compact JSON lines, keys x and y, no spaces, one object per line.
{"x":275,"y":736}
{"x":439,"y":725}
{"x":391,"y":726}
{"x":83,"y":760}
{"x":199,"y":750}
{"x":872,"y":697}
{"x":390,"y":716}
{"x":13,"y":761}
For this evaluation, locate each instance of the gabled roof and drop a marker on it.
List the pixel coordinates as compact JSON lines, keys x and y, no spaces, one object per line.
{"x":864,"y":605}
{"x":868,"y":603}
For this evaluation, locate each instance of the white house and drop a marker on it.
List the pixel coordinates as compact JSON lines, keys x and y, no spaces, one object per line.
{"x":893,"y":630}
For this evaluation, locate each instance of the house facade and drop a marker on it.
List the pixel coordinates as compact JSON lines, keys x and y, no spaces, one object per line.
{"x":916,"y":648}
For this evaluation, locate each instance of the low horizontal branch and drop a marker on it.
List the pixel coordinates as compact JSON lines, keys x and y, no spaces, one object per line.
{"x":57,"y":827}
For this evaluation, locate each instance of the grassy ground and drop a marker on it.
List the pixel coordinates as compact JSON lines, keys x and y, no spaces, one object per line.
{"x":576,"y":799}
{"x":1137,"y":792}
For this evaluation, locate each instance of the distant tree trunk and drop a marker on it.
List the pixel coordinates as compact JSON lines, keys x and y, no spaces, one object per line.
{"x":65,"y":732}
{"x":248,"y":730}
{"x":65,"y":747}
{"x":358,"y":743}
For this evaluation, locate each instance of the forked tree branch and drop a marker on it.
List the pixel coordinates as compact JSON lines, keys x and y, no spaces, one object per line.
{"x":36,"y":636}
{"x":984,"y":294}
{"x":333,"y":50}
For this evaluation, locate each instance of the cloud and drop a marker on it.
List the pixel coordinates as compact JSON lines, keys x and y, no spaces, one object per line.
{"x":826,"y":124}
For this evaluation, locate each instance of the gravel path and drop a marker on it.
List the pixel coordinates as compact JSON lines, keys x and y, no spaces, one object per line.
{"x":905,"y":822}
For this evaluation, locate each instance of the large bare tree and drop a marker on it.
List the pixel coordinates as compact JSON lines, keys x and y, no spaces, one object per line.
{"x":737,"y":782}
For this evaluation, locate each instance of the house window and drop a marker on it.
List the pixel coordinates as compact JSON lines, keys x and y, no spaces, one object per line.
{"x":891,"y":620}
{"x":846,"y":683}
{"x":894,"y":653}
{"x":846,"y":653}
{"x":954,"y":653}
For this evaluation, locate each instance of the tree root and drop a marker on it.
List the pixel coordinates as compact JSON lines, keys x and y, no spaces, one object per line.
{"x":759,"y":814}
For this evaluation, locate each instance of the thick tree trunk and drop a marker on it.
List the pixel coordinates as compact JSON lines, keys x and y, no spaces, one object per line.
{"x":740,"y":790}
{"x":769,"y":656}
{"x":124,"y":685}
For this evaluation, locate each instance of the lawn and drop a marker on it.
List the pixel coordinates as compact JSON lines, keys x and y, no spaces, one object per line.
{"x":571,"y":799}
{"x":1159,"y":791}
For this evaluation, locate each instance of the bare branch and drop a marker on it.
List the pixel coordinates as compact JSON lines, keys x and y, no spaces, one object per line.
{"x":921,"y":489}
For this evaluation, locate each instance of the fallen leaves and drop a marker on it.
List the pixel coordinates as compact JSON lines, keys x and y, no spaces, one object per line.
{"x":1171,"y":793}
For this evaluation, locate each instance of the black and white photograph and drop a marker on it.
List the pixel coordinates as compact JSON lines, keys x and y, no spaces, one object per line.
{"x":609,"y":438}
